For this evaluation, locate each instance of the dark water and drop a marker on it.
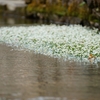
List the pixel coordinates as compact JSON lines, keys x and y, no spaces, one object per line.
{"x":12,"y":19}
{"x":28,"y":76}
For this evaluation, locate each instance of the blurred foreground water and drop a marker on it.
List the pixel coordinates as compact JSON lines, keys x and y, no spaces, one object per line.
{"x":28,"y":76}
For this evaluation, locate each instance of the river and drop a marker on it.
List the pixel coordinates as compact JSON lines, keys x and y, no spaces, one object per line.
{"x":25,"y":75}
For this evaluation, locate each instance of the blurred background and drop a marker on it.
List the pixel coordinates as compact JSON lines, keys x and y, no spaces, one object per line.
{"x":84,"y":12}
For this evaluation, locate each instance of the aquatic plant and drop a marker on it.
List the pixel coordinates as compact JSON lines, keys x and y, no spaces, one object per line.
{"x":67,"y":42}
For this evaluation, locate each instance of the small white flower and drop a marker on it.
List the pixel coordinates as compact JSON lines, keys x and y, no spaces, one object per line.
{"x":57,"y":41}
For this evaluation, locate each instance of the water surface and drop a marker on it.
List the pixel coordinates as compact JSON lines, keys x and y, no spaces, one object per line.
{"x":28,"y":76}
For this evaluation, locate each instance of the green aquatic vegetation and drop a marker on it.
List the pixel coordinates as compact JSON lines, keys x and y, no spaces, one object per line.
{"x":67,"y":42}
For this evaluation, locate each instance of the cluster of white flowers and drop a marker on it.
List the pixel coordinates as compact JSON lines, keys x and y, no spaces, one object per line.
{"x":68,"y":42}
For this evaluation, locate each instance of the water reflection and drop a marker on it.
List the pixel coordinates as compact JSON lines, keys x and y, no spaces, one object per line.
{"x":14,"y":21}
{"x":11,"y":19}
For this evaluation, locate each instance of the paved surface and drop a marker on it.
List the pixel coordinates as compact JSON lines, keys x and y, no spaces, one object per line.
{"x":29,"y":76}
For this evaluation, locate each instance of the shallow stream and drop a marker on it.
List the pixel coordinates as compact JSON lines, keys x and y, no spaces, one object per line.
{"x":28,"y":76}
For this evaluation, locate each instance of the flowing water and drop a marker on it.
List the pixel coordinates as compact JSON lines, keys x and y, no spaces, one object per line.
{"x":28,"y":76}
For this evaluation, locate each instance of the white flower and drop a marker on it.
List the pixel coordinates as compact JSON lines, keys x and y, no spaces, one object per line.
{"x":66,"y":42}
